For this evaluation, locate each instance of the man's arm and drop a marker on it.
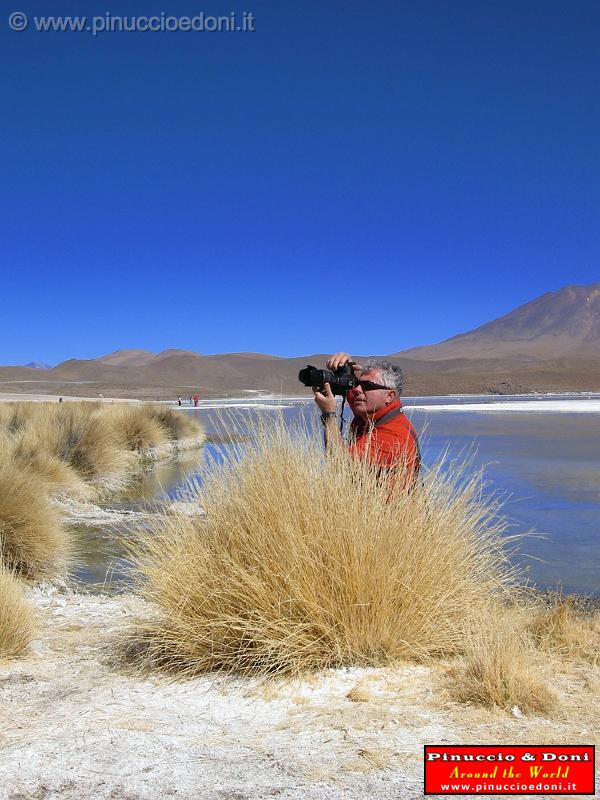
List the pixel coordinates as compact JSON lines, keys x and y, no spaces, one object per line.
{"x":325,"y":400}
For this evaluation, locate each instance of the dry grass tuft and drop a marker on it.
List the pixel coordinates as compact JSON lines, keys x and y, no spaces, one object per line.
{"x":72,"y":446}
{"x":16,"y":616}
{"x":51,"y":472}
{"x":34,"y":543}
{"x":378,"y":759}
{"x":592,"y":684}
{"x":87,"y":443}
{"x":176,"y":425}
{"x":69,"y":446}
{"x":304,"y":563}
{"x":80,"y":449}
{"x":137,"y":429}
{"x":570,"y":634}
{"x":360,"y":693}
{"x":500,"y":670}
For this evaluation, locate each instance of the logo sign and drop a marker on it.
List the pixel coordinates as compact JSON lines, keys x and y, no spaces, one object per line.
{"x":509,"y":769}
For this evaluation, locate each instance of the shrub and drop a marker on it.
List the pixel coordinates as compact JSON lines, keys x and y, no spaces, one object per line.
{"x":75,"y":446}
{"x":560,"y":629}
{"x":136,"y":430}
{"x":50,"y":473}
{"x":69,"y":443}
{"x":16,"y":616}
{"x":304,"y":562}
{"x":89,"y":445}
{"x":500,"y":670}
{"x":83,"y":449}
{"x":34,"y":543}
{"x":176,"y":424}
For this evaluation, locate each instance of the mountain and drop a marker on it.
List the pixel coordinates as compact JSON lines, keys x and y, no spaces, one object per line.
{"x":38,"y":365}
{"x":549,"y":344}
{"x":127,"y":358}
{"x":560,"y":324}
{"x":140,"y":358}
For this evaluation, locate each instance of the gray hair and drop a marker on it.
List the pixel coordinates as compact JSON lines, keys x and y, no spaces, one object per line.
{"x":391,"y":374}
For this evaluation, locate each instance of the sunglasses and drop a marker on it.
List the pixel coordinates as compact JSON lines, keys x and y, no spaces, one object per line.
{"x":368,"y":386}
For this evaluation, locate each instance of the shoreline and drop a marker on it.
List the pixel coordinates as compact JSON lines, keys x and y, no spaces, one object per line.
{"x":253,"y":395}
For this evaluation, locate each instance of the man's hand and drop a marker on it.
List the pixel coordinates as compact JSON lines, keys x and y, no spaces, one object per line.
{"x":325,"y":399}
{"x":339,"y":359}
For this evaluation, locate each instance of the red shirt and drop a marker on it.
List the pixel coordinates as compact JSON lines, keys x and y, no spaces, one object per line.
{"x":391,"y":443}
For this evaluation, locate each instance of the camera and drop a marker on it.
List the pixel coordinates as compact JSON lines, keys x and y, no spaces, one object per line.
{"x":341,"y":381}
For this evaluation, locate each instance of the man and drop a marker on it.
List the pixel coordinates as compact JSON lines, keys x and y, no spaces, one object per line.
{"x":379,"y":431}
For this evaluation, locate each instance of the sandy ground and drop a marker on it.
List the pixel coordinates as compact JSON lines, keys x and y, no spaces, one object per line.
{"x":74,"y":724}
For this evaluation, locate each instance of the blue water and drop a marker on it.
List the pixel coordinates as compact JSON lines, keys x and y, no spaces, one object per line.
{"x":546,"y":466}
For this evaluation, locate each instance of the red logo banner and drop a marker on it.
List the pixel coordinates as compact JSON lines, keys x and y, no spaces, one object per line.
{"x":509,"y":769}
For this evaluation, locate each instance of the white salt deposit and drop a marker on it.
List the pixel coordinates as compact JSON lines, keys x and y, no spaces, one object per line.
{"x":74,"y":725}
{"x":579,"y":406}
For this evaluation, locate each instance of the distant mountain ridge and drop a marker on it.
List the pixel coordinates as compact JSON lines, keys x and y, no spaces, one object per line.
{"x":37,"y":365}
{"x":549,"y":344}
{"x":139,"y":358}
{"x":555,"y":325}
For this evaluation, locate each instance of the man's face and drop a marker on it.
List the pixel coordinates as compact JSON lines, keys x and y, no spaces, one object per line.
{"x":363,"y":400}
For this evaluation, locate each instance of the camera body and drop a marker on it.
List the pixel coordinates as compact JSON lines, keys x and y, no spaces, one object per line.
{"x":340,"y":381}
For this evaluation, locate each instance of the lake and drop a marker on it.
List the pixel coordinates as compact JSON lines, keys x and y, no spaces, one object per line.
{"x":541,"y":454}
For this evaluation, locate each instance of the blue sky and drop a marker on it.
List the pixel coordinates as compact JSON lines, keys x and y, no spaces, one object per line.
{"x":365,"y":176}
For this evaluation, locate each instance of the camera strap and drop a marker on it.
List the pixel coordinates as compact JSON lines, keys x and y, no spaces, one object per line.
{"x":387,"y":417}
{"x":342,"y":420}
{"x":396,"y":413}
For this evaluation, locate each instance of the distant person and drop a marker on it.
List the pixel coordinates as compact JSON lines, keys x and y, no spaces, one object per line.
{"x":179,"y":400}
{"x":379,"y":431}
{"x":196,"y":399}
{"x":191,"y":400}
{"x":60,"y":399}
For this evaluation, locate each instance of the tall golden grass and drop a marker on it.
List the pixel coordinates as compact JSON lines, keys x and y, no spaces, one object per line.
{"x":176,"y":426}
{"x":136,"y":428}
{"x":500,"y":666}
{"x":305,"y":562}
{"x":82,"y":449}
{"x":562,"y":630}
{"x":35,"y":544}
{"x":16,"y":616}
{"x":85,"y":447}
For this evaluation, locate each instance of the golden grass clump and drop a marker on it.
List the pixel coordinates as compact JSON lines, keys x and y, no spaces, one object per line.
{"x":75,"y":446}
{"x":500,"y":669}
{"x":16,"y":616}
{"x":14,"y":417}
{"x":560,"y":629}
{"x":176,"y":425}
{"x":136,"y":428}
{"x":71,"y":444}
{"x":81,"y":449}
{"x":88,"y":443}
{"x":304,"y":562}
{"x":34,"y":543}
{"x":50,"y":471}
